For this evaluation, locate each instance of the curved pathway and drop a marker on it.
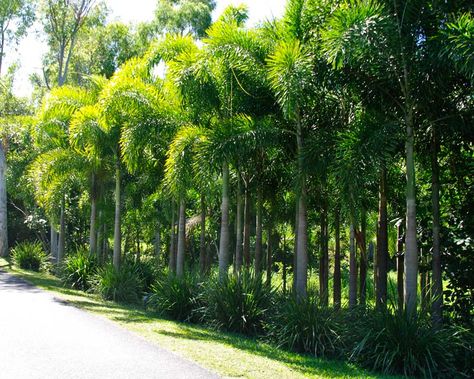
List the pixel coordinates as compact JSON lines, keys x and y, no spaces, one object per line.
{"x":44,"y":337}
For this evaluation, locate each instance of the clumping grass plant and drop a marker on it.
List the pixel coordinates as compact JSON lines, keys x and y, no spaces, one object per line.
{"x":304,"y":326}
{"x":79,"y":269}
{"x":176,"y":297}
{"x":238,"y":303}
{"x":30,"y":256}
{"x":122,"y":285}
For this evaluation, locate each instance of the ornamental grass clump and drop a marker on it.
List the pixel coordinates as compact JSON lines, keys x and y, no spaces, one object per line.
{"x":79,"y":269}
{"x":30,"y":256}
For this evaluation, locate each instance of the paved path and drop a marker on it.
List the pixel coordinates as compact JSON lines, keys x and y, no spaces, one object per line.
{"x":42,"y":337}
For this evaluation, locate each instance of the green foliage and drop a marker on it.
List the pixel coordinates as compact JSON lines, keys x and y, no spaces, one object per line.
{"x":397,"y":343}
{"x":307,"y":327}
{"x":79,"y":269}
{"x":30,"y":256}
{"x":146,"y":272}
{"x":176,"y":297}
{"x":239,"y":303}
{"x":123,"y":285}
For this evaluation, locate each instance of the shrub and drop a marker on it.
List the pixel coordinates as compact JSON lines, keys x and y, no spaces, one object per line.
{"x":30,"y":256}
{"x":176,"y":298}
{"x":123,"y":285}
{"x":146,"y":271}
{"x":306,"y":327}
{"x":397,"y":343}
{"x":78,"y":270}
{"x":238,"y":304}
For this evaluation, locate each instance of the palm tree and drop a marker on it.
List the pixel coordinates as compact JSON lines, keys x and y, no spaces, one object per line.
{"x":289,"y":68}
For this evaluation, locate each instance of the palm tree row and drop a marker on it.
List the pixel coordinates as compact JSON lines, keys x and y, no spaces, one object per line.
{"x":298,"y":122}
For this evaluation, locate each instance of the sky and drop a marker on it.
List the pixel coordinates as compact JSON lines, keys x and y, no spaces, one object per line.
{"x":28,"y":54}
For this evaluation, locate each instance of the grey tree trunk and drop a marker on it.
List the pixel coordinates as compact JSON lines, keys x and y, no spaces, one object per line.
{"x":400,"y":265}
{"x":437,"y":286}
{"x":270,"y":241}
{"x":92,"y":231}
{"x":352,"y":268}
{"x":54,"y":243}
{"x":224,"y":238}
{"x":172,"y":256}
{"x":100,"y":253}
{"x":246,"y":246}
{"x":117,"y":222}
{"x":382,"y":245}
{"x":157,"y":244}
{"x":295,"y":261}
{"x":258,"y":234}
{"x":3,"y":204}
{"x":337,"y":262}
{"x":62,"y":232}
{"x":302,"y":239}
{"x":411,"y":253}
{"x":363,"y":259}
{"x":238,"y":221}
{"x":202,"y":242}
{"x":181,"y":238}
{"x":324,"y":258}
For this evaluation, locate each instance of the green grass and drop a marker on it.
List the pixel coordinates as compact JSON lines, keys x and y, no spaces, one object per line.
{"x":227,"y":354}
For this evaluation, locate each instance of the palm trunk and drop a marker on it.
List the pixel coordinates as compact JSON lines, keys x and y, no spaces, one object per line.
{"x":172,"y":257}
{"x":437,"y":285}
{"x":54,"y":243}
{"x":363,"y":260}
{"x":3,"y":204}
{"x":258,"y":234}
{"x":99,"y":239}
{"x":269,"y":252}
{"x":157,"y":247}
{"x":324,"y":258}
{"x":382,"y":244}
{"x":400,"y":266}
{"x":62,"y":232}
{"x":302,"y":239}
{"x":337,"y":262}
{"x":238,"y":239}
{"x":352,"y":268}
{"x":411,"y":254}
{"x":224,"y":238}
{"x":117,"y":222}
{"x":202,"y":240}
{"x":246,"y":246}
{"x":181,"y":238}
{"x":92,"y":231}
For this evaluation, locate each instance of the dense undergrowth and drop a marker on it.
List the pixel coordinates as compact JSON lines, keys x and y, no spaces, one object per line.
{"x":387,"y":341}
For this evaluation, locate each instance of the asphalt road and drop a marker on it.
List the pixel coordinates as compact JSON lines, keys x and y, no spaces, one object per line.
{"x":43,"y":337}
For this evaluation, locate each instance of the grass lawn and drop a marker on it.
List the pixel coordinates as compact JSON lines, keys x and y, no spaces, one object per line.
{"x":227,"y":354}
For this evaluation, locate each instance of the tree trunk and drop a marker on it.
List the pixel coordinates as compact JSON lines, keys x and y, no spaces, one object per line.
{"x":269,"y":252}
{"x":295,"y":261}
{"x":324,"y":258}
{"x":157,"y":244}
{"x":363,"y":259}
{"x":352,"y":268}
{"x":202,"y":241}
{"x":62,"y":232}
{"x":400,"y":266}
{"x":258,"y":234}
{"x":382,"y":244}
{"x":54,"y":242}
{"x":224,"y":238}
{"x":246,"y":247}
{"x":98,"y":240}
{"x":411,"y":253}
{"x":238,"y":221}
{"x":3,"y":204}
{"x":437,"y":285}
{"x":92,"y":231}
{"x":181,"y":238}
{"x":117,"y":222}
{"x":337,"y":262}
{"x":172,"y":257}
{"x":302,"y":240}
